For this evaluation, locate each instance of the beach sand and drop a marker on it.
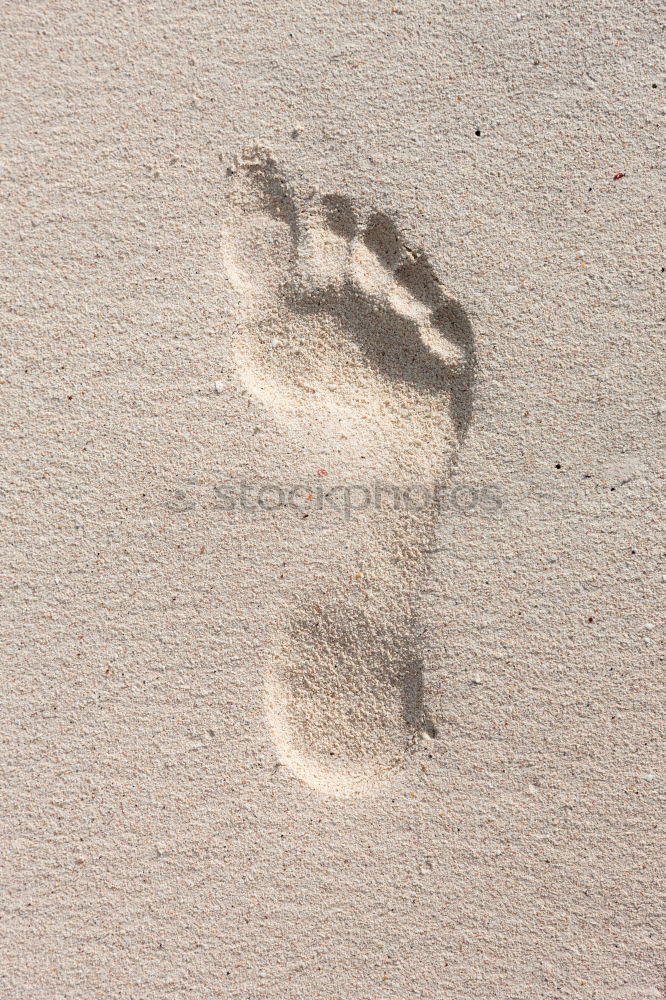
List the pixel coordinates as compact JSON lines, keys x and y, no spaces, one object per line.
{"x":333,"y":421}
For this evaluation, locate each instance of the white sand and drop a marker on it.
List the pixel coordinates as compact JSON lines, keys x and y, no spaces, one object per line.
{"x":311,"y":745}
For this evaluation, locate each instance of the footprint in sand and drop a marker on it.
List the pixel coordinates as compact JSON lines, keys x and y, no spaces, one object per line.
{"x":346,"y":334}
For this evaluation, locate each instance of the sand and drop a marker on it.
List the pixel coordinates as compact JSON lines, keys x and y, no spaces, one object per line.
{"x":333,"y":415}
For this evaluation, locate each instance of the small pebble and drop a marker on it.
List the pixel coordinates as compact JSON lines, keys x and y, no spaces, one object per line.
{"x":219,"y":387}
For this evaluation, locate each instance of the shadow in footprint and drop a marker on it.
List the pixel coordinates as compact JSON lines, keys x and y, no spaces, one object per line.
{"x":392,"y":346}
{"x":414,"y":272}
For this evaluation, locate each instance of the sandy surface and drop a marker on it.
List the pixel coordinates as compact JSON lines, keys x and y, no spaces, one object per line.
{"x":333,"y":413}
